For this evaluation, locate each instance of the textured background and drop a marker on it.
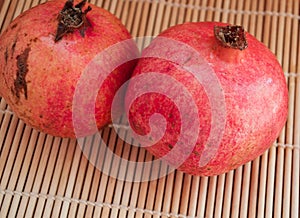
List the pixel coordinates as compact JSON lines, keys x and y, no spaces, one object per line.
{"x":44,"y":176}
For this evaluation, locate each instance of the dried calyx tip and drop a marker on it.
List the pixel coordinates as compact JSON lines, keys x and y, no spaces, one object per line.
{"x":231,"y":36}
{"x":71,"y":18}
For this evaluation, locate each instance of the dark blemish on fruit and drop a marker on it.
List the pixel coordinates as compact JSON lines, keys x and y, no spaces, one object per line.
{"x":34,"y":40}
{"x":170,"y":146}
{"x":13,"y":47}
{"x":196,"y":153}
{"x":20,"y":83}
{"x":14,"y":26}
{"x":6,"y":55}
{"x":71,"y":18}
{"x":231,"y":36}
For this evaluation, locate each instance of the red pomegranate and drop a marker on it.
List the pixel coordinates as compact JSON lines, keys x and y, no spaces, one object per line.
{"x":44,"y":53}
{"x":221,"y":92}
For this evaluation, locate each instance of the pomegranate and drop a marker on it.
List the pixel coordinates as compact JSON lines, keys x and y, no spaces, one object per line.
{"x":207,"y":97}
{"x":44,"y":52}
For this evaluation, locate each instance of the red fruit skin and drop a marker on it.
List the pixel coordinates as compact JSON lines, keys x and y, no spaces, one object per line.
{"x":55,"y":68}
{"x":254,"y":88}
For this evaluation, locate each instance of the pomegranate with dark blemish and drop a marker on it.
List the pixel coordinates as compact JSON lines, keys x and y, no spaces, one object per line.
{"x":43,"y":53}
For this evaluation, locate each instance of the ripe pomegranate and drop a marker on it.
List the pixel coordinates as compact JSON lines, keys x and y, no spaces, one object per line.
{"x":221,"y":92}
{"x":44,"y":52}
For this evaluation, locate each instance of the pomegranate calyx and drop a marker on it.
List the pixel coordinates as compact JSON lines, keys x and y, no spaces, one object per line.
{"x":231,"y":36}
{"x":71,"y":18}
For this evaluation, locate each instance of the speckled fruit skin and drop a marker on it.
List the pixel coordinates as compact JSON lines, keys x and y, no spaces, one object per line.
{"x":253,"y":83}
{"x":54,"y":68}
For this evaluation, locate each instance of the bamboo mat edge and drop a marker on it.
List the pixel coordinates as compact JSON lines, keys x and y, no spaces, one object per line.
{"x":280,"y":163}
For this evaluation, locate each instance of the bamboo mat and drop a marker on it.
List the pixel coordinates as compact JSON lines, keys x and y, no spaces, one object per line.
{"x":44,"y":176}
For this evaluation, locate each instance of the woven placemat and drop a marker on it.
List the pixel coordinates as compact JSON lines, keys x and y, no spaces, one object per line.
{"x":44,"y":176}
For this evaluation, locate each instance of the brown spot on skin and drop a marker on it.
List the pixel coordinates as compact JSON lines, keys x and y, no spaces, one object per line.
{"x":6,"y":55}
{"x":14,"y":26}
{"x":20,"y":83}
{"x":34,"y":40}
{"x":14,"y":46}
{"x":170,"y":146}
{"x":196,"y":153}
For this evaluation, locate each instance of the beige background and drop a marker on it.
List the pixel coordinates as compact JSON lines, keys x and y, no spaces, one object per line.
{"x":43,"y":176}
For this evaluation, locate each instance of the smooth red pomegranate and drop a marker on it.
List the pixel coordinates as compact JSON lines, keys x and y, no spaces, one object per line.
{"x":44,"y":52}
{"x":221,"y":92}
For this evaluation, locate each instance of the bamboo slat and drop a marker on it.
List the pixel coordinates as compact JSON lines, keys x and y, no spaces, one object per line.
{"x":45,"y":176}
